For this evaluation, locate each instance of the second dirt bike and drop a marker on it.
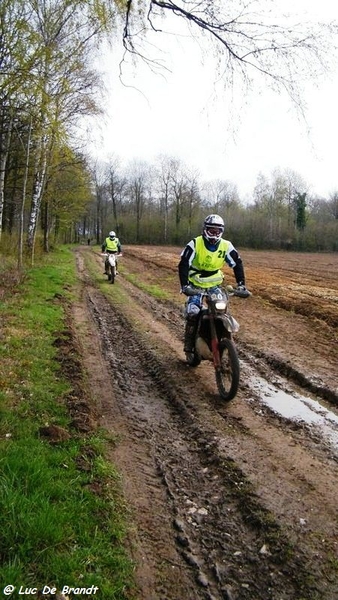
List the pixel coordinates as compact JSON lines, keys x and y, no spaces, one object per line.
{"x":213,"y":338}
{"x":111,"y":265}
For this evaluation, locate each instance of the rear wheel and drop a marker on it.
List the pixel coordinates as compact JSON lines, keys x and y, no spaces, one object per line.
{"x":227,"y":376}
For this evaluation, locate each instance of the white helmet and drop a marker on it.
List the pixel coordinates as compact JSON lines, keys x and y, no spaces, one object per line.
{"x":112,"y":234}
{"x":213,"y":228}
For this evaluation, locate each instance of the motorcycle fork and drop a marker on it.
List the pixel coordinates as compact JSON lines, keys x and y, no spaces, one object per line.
{"x":214,"y":342}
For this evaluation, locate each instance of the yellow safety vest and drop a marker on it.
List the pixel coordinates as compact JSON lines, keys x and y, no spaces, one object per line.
{"x":205,"y":262}
{"x":112,"y":245}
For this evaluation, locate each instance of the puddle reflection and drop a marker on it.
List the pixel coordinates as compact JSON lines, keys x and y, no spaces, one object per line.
{"x":299,"y":408}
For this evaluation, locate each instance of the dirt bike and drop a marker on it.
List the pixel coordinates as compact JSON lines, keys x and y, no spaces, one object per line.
{"x":213,"y":338}
{"x":110,"y":264}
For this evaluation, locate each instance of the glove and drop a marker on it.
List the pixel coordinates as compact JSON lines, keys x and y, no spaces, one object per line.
{"x":187,"y":290}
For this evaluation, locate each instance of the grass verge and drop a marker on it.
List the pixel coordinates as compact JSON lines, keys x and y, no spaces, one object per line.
{"x":61,"y":513}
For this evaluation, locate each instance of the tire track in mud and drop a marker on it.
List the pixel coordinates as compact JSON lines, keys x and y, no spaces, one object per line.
{"x":219,"y":525}
{"x":260,"y":360}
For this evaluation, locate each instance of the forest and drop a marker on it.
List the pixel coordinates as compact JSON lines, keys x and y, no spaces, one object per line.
{"x":167,"y":202}
{"x":53,"y":191}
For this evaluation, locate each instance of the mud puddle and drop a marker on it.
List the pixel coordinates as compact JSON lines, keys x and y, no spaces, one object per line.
{"x":293,"y":406}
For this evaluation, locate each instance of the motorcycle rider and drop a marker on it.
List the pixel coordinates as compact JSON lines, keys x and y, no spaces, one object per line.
{"x":111,"y":245}
{"x":200,"y":267}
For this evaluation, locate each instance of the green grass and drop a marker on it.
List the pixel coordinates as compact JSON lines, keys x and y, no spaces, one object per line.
{"x":151,"y":289}
{"x":60,"y":524}
{"x":157,"y":291}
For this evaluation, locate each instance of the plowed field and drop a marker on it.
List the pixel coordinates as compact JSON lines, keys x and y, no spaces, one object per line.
{"x":232,"y":501}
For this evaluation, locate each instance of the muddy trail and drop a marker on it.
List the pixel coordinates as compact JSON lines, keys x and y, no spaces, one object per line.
{"x":232,"y":501}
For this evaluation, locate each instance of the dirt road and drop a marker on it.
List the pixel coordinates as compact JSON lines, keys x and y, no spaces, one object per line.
{"x":237,"y":501}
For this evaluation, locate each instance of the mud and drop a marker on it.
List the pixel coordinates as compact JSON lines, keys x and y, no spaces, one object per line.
{"x":229,"y":501}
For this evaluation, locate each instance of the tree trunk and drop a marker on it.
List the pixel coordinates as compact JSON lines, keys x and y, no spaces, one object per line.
{"x":4,"y":151}
{"x":23,"y":198}
{"x":46,"y":227}
{"x":38,"y":185}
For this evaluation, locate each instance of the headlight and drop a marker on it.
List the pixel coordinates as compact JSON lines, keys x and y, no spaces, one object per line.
{"x":220,"y":305}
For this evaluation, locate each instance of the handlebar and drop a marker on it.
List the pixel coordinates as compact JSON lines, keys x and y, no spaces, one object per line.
{"x":230,"y":291}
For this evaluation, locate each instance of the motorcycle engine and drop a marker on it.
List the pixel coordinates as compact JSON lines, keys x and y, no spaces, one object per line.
{"x":203,"y":349}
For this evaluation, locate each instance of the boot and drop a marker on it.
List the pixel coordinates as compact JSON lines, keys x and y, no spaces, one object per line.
{"x":189,"y":336}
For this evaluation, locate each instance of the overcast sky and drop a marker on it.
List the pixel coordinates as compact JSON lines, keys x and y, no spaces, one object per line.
{"x":186,"y":113}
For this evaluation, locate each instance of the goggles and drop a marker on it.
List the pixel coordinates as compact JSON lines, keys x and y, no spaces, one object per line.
{"x":214,"y":230}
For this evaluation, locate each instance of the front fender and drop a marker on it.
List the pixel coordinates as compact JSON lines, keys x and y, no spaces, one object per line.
{"x":230,"y":323}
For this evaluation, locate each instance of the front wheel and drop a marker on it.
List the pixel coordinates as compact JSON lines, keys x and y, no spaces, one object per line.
{"x":227,"y":375}
{"x":112,"y":274}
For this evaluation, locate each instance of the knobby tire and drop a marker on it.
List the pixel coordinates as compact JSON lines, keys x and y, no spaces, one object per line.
{"x":227,"y":377}
{"x":112,"y":274}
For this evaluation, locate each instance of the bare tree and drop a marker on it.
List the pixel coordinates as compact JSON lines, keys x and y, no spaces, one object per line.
{"x":138,"y":182}
{"x":193,"y":196}
{"x":285,"y":50}
{"x":220,"y":194}
{"x":333,"y":205}
{"x":179,"y":183}
{"x":115,"y":186}
{"x":167,"y":170}
{"x":293,"y":183}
